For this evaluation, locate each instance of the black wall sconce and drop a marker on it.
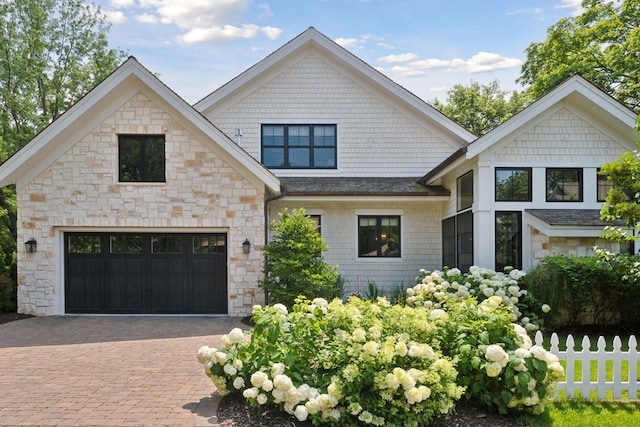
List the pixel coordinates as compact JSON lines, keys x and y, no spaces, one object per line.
{"x":31,"y":246}
{"x":246,"y":246}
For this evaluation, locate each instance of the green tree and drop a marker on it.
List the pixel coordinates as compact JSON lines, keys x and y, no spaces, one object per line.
{"x":601,"y":44}
{"x":480,"y":108}
{"x":52,"y":52}
{"x":623,"y":199}
{"x":294,"y":263}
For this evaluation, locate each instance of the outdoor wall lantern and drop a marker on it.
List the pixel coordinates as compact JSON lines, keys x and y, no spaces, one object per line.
{"x":246,"y":246}
{"x":31,"y":245}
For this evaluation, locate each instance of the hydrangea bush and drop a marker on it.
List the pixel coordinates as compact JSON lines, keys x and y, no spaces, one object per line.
{"x":368,"y":362}
{"x":437,"y":288}
{"x":340,"y":364}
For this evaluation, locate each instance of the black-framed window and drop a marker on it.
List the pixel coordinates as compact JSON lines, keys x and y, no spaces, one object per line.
{"x":141,"y":158}
{"x":299,"y":146}
{"x":508,"y":240}
{"x":564,"y":185}
{"x":457,"y":241}
{"x":513,"y":184}
{"x":464,"y":191}
{"x":604,"y":185}
{"x":317,"y":220}
{"x":378,"y":236}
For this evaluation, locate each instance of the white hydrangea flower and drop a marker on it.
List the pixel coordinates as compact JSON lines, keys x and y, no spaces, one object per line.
{"x":262,"y":399}
{"x":238,"y":383}
{"x":371,"y":348}
{"x":493,"y":369}
{"x":281,"y":308}
{"x":546,"y":308}
{"x":229,"y":369}
{"x":301,"y":413}
{"x":251,"y":393}
{"x":236,"y":335}
{"x":258,"y":378}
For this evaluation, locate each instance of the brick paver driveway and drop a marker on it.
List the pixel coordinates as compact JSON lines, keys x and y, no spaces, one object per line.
{"x":107,"y":371}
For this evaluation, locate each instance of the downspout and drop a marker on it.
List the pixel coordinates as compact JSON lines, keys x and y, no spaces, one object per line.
{"x":266,"y":225}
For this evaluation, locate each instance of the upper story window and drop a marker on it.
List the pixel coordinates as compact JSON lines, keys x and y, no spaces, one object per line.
{"x":564,"y":185}
{"x":464,"y":191}
{"x":141,"y":158}
{"x":299,"y":146}
{"x":604,"y":185}
{"x":513,"y":184}
{"x":378,"y":236}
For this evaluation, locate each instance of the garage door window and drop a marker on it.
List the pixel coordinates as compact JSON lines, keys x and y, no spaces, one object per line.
{"x":126,"y":244}
{"x":166,"y":244}
{"x":213,"y":244}
{"x":84,"y":244}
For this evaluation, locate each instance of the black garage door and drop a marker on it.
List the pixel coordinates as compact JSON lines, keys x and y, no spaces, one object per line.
{"x":145,"y":273}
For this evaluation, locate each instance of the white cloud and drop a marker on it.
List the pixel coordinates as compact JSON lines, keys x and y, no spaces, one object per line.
{"x":120,"y":4}
{"x":202,"y":21}
{"x":574,"y":5}
{"x":401,"y":71}
{"x":394,"y":59}
{"x":146,"y":18}
{"x":347,"y":42}
{"x":115,"y":16}
{"x":478,"y":63}
{"x":527,"y":11}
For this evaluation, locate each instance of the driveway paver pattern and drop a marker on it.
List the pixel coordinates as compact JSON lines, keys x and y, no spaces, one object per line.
{"x":108,"y":370}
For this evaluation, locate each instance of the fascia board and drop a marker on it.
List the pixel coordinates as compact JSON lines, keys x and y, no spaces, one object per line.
{"x":381,"y":199}
{"x":575,"y":84}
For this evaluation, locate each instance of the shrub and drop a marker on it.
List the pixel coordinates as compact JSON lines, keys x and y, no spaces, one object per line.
{"x":370,"y":362}
{"x":7,"y":295}
{"x":601,"y":290}
{"x":294,"y":263}
{"x":339,"y":364}
{"x":439,"y":288}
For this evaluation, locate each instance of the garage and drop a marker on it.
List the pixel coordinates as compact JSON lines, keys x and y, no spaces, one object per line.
{"x":145,"y":273}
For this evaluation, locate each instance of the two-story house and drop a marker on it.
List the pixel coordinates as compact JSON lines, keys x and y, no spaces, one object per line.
{"x":141,"y":203}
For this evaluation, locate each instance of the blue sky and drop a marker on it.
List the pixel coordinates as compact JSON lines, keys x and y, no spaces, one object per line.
{"x":427,"y":46}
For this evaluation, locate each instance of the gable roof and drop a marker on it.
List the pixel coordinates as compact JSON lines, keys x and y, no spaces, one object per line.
{"x":312,"y":40}
{"x":106,"y":97}
{"x":575,"y":92}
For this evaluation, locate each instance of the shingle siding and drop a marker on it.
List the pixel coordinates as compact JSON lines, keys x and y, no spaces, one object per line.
{"x":375,"y":138}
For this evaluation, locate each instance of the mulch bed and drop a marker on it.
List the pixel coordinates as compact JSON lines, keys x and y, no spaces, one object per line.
{"x":12,"y":317}
{"x":235,"y":411}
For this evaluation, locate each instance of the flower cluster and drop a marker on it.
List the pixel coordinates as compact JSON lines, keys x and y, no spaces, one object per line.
{"x":436,"y":288}
{"x":354,"y":363}
{"x":368,"y":362}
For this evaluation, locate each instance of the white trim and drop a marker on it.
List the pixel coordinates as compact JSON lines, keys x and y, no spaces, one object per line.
{"x":379,"y":212}
{"x":371,"y":199}
{"x":60,"y":254}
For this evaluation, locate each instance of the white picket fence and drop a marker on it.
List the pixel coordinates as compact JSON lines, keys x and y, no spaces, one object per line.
{"x":601,"y":356}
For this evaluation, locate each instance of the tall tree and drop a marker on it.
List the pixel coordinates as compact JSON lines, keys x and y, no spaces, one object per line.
{"x":51,"y":53}
{"x":480,"y":108}
{"x":602,"y":44}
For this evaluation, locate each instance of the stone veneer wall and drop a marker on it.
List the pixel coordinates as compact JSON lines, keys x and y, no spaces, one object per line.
{"x":543,"y":245}
{"x":80,"y":191}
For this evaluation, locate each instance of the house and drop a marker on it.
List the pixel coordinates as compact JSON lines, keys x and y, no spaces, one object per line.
{"x":141,"y":203}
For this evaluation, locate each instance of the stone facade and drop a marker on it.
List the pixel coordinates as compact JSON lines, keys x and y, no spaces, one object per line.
{"x":81,"y":192}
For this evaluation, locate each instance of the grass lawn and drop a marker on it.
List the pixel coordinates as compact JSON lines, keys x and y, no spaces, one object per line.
{"x":590,"y":412}
{"x":587,"y":413}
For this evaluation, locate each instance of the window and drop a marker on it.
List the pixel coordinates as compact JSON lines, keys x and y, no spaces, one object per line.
{"x":142,"y":158}
{"x":299,"y":146}
{"x":209,"y":244}
{"x":126,"y":244}
{"x":457,"y":241}
{"x":84,"y":244}
{"x":513,"y":184}
{"x":464,"y":187}
{"x":317,"y":220}
{"x":378,"y":236}
{"x":564,"y":185}
{"x":167,"y":244}
{"x":604,"y":185}
{"x":508,"y":240}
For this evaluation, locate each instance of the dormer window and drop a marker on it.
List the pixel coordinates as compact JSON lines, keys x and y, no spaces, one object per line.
{"x":299,"y":146}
